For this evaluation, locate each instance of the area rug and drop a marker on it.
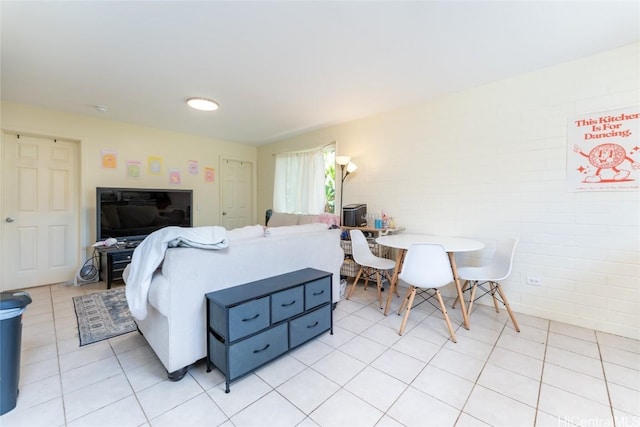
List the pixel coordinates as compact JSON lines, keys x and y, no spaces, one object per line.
{"x":103,"y":315}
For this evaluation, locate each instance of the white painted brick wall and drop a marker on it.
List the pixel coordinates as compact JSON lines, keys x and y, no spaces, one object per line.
{"x":490,"y":162}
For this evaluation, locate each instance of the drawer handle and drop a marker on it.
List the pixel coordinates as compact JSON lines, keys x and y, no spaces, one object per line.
{"x":248,"y":319}
{"x":288,"y":304}
{"x":260,"y":350}
{"x":314,"y":325}
{"x":318,"y":293}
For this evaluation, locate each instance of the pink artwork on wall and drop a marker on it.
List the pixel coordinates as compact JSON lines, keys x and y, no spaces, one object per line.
{"x":208,"y":174}
{"x":193,"y":167}
{"x":174,"y":176}
{"x":603,"y":151}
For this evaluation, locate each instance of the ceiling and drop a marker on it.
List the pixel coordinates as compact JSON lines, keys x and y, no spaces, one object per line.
{"x":282,"y":68}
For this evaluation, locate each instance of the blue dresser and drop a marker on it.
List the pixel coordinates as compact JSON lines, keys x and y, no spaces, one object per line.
{"x":251,"y":324}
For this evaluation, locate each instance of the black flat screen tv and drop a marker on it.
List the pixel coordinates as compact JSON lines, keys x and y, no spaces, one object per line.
{"x":131,"y":214}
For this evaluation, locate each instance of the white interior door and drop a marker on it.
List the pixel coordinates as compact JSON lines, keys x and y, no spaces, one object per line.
{"x":40,"y":211}
{"x":236,"y":193}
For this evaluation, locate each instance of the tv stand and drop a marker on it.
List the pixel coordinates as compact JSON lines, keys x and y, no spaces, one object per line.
{"x":113,"y":261}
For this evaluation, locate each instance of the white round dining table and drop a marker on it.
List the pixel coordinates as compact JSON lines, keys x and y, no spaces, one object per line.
{"x":451,"y":245}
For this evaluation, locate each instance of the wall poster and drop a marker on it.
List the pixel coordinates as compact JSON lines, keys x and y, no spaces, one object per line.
{"x":174,"y":176}
{"x":603,"y":151}
{"x":155,"y":165}
{"x":209,"y":174}
{"x":133,"y":169}
{"x":193,"y":167}
{"x":109,"y":159}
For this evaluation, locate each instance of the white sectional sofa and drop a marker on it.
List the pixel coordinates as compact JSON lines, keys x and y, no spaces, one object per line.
{"x":279,"y":219}
{"x":175,"y":322}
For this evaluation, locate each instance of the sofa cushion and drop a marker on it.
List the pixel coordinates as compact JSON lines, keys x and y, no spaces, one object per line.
{"x":308,"y":219}
{"x":247,"y":232}
{"x":279,"y":219}
{"x":295,"y":229}
{"x":329,"y":219}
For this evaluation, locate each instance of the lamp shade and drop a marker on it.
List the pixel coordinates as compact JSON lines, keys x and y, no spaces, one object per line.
{"x":343,"y":160}
{"x":351,"y":167}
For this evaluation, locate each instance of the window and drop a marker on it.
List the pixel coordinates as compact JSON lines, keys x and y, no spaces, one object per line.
{"x":330,"y":179}
{"x":304,"y":182}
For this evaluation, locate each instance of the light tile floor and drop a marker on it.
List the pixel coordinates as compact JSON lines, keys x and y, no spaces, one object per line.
{"x":550,"y":374}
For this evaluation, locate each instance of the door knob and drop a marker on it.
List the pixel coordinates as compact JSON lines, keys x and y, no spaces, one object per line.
{"x":9,"y":219}
{"x":224,"y":213}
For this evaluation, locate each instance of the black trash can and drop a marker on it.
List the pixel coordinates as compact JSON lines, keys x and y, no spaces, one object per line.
{"x":12,"y":305}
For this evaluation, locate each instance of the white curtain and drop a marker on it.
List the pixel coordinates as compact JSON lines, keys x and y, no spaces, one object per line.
{"x":299,"y":183}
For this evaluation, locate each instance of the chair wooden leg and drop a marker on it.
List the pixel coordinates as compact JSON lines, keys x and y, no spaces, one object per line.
{"x":406,"y":314}
{"x":386,"y":272}
{"x":405,"y":299}
{"x":379,"y":281}
{"x":355,"y":281}
{"x":465,"y":288}
{"x":508,"y":307}
{"x":367,"y":273}
{"x":394,"y":278}
{"x":492,"y":285}
{"x":443,"y":308}
{"x":472,"y":297}
{"x":393,"y":288}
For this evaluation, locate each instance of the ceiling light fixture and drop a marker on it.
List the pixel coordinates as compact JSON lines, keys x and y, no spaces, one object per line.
{"x":202,"y":104}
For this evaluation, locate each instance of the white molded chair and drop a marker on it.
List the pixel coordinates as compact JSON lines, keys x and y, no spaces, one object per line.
{"x":491,"y":274}
{"x":426,"y":268}
{"x":370,"y":265}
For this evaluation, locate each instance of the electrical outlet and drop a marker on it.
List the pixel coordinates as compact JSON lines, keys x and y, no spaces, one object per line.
{"x":534,"y":281}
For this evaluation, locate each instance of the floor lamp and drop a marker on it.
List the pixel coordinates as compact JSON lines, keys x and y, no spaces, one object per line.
{"x":346,"y":167}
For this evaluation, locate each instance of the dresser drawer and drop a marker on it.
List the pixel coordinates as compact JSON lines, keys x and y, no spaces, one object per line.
{"x":246,"y":355}
{"x":310,"y":325}
{"x":117,"y":271}
{"x":317,"y":292}
{"x":287,"y":304}
{"x":251,"y":324}
{"x":121,"y":257}
{"x":247,"y":318}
